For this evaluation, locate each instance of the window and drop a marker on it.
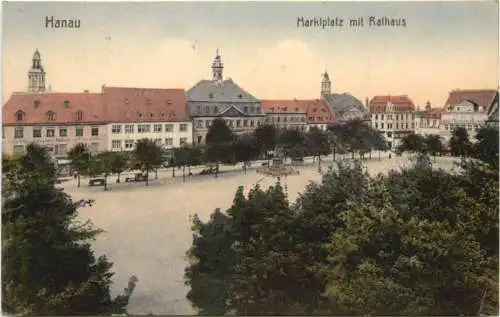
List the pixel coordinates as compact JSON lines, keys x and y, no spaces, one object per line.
{"x":207,"y":109}
{"x":19,"y":115}
{"x":50,"y":133}
{"x":157,"y":128}
{"x":199,"y":123}
{"x":129,"y":144}
{"x":389,"y":134}
{"x":245,"y":123}
{"x":200,"y":138}
{"x":116,"y":129}
{"x":397,"y":117}
{"x":36,"y":103}
{"x":216,"y":110}
{"x":144,"y":128}
{"x":79,"y":131}
{"x":18,"y":133}
{"x":66,"y":103}
{"x":61,"y":149}
{"x":95,"y":131}
{"x":158,"y":141}
{"x":18,"y":149}
{"x":182,"y":141}
{"x":63,"y":132}
{"x":381,"y":125}
{"x":169,"y":141}
{"x":252,"y":123}
{"x":245,"y":110}
{"x":79,"y":116}
{"x":376,"y":125}
{"x":94,"y":147}
{"x":198,"y":109}
{"x":397,"y":125}
{"x":169,"y":127}
{"x":238,"y":123}
{"x":116,"y":144}
{"x":207,"y":124}
{"x":37,"y":132}
{"x":183,"y":127}
{"x":407,"y":125}
{"x":129,"y":128}
{"x":50,"y":116}
{"x":376,"y":117}
{"x":381,"y":117}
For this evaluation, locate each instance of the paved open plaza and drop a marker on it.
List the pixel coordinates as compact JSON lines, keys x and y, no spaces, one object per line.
{"x":147,"y":229}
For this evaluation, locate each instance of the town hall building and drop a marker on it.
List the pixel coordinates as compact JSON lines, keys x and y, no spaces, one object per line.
{"x":224,"y":99}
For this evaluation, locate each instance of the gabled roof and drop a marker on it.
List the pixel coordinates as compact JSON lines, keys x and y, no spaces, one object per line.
{"x":283,"y":106}
{"x":343,"y":102}
{"x":231,"y":111}
{"x":65,"y":106}
{"x":144,"y":104}
{"x":402,"y":102}
{"x":481,"y":97}
{"x":225,"y":91}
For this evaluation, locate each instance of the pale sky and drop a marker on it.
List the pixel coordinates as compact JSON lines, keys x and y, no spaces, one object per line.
{"x":445,"y":45}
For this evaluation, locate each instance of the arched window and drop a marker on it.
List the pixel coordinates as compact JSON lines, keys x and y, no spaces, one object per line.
{"x":79,"y":116}
{"x":50,"y":116}
{"x":19,"y":115}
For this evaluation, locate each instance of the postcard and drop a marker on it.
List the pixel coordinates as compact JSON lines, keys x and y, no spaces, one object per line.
{"x":209,"y":158}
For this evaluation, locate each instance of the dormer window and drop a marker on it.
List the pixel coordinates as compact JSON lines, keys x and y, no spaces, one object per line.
{"x":216,"y":110}
{"x":36,"y":103}
{"x":79,"y":116}
{"x":150,"y":115}
{"x":163,"y":114}
{"x":19,"y":116}
{"x":50,"y":116}
{"x":211,"y":95}
{"x":139,"y":114}
{"x":126,"y":101}
{"x":149,"y":102}
{"x":66,"y":103}
{"x":240,"y":96}
{"x":314,"y":110}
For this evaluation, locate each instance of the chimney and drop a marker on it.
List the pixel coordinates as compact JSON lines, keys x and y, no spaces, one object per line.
{"x":86,"y":91}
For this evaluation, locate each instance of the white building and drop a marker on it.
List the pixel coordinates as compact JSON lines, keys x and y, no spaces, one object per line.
{"x":137,"y":113}
{"x":468,"y":109}
{"x":393,"y":116}
{"x":428,"y":121}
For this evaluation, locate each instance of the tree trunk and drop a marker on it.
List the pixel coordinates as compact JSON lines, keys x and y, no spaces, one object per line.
{"x":173,"y":171}
{"x":78,"y":180}
{"x":379,"y":155}
{"x":105,"y":182}
{"x":184,"y":173}
{"x":189,"y":170}
{"x":370,"y":154}
{"x":217,"y":170}
{"x":319,"y":164}
{"x":156,"y":172}
{"x":245,"y":167}
{"x":147,"y":177}
{"x":352,"y":155}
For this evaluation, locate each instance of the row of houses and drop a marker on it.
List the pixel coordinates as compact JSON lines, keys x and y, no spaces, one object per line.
{"x":116,"y":117}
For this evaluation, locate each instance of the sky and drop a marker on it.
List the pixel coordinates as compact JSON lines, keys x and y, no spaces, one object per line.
{"x":444,"y":46}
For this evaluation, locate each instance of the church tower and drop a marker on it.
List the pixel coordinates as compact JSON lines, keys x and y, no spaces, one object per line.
{"x":217,"y":68}
{"x":36,"y":74}
{"x":326,"y":85}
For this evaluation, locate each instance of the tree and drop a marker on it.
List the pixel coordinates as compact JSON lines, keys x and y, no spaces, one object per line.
{"x":79,"y":156}
{"x":459,"y":142}
{"x":219,"y":142}
{"x":245,"y":150}
{"x":318,"y":144}
{"x":413,"y":143}
{"x":265,"y":137}
{"x":434,"y":144}
{"x":181,"y":157}
{"x":486,"y":146}
{"x":147,"y":156}
{"x":292,"y":142}
{"x":195,"y":156}
{"x":354,"y":135}
{"x":379,"y":142}
{"x":102,"y":164}
{"x":119,"y":163}
{"x":48,"y":267}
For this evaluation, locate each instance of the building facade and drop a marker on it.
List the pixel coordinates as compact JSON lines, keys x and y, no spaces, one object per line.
{"x":428,"y":121}
{"x":58,"y":121}
{"x":222,"y":99}
{"x":393,"y":116}
{"x":319,"y":114}
{"x":345,"y":106}
{"x":468,"y":109}
{"x":137,"y":113}
{"x":285,"y":114}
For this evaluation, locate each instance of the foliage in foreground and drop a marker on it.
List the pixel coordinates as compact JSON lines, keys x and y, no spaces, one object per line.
{"x":48,"y":267}
{"x":416,"y":242}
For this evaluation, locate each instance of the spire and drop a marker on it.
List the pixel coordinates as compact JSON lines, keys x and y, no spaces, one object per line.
{"x":217,"y":68}
{"x":36,"y":74}
{"x":326,"y":84}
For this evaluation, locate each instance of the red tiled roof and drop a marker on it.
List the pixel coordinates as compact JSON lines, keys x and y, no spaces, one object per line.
{"x":434,"y":113}
{"x":403,"y":103}
{"x":317,"y":110}
{"x":482,"y":97}
{"x":36,"y":107}
{"x":282,"y":106}
{"x":145,"y":104}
